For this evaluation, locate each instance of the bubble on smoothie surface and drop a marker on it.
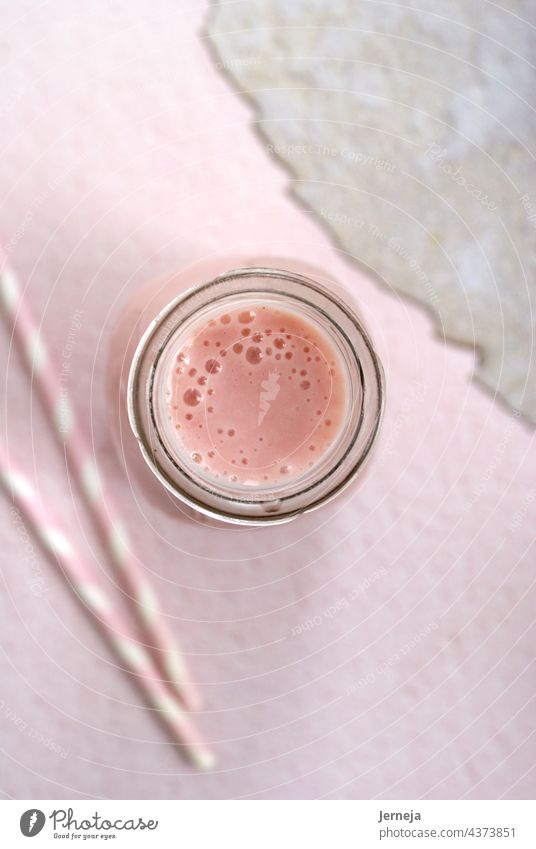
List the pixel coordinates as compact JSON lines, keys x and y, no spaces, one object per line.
{"x":274,"y":410}
{"x":213,"y":366}
{"x":192,"y":397}
{"x":253,"y":355}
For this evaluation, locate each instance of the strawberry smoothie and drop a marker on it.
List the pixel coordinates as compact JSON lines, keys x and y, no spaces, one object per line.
{"x":256,"y":396}
{"x":253,"y":396}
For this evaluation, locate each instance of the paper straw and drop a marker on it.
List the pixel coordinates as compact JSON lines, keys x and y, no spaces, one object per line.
{"x":95,"y":599}
{"x":61,"y":416}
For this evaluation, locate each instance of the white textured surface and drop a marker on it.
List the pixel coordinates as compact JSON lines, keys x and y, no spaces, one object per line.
{"x":410,"y":129}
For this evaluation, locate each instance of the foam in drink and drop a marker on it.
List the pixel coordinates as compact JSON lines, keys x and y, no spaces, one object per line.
{"x":256,"y":396}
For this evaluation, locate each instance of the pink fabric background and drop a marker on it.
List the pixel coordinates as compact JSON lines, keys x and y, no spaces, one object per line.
{"x":125,"y":154}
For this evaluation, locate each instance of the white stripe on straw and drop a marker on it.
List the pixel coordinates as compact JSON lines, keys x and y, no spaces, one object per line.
{"x":61,"y":416}
{"x":94,"y":597}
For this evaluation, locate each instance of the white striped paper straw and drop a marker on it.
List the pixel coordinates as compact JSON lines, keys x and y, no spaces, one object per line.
{"x":107,"y":520}
{"x":95,"y":599}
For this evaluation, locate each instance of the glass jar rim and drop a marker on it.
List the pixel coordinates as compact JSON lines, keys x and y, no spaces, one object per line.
{"x":275,"y":506}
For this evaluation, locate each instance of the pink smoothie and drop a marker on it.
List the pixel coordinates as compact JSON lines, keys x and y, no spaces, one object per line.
{"x":256,"y":396}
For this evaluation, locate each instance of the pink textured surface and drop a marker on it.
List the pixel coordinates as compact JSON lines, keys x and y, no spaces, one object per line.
{"x":124,"y":155}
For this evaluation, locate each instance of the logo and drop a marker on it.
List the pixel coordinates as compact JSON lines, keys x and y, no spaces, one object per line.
{"x":31,"y":822}
{"x":270,"y":391}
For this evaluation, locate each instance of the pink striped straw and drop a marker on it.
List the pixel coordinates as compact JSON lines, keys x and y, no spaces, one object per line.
{"x":95,"y":599}
{"x":61,"y":416}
